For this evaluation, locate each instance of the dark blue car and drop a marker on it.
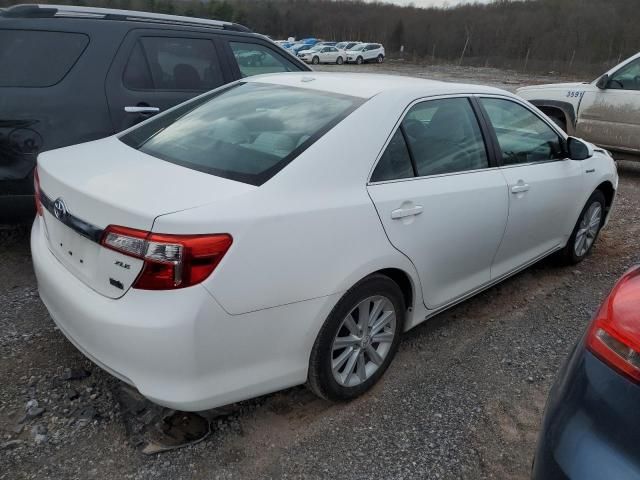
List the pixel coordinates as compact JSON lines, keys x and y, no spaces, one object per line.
{"x":591,"y":426}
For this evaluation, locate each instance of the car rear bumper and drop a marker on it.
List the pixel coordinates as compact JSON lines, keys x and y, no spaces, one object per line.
{"x":180,"y":348}
{"x":591,"y":426}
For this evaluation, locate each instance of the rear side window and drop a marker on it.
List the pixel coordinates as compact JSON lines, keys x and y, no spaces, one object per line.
{"x":34,"y":58}
{"x":247,"y":132}
{"x":166,"y":63}
{"x":444,"y":137}
{"x":395,"y":162}
{"x":254,"y":59}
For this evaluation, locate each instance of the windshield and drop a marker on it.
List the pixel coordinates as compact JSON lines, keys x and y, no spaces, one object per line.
{"x":341,"y":45}
{"x":358,"y":47}
{"x":247,"y":132}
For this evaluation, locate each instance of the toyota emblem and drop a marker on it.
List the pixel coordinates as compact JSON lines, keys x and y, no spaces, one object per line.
{"x":59,"y":209}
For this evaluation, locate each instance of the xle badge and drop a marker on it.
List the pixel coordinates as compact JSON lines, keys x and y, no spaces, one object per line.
{"x":121,"y":264}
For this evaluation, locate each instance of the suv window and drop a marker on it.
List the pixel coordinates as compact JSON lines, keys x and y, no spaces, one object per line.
{"x":522,"y":135}
{"x":627,"y":78}
{"x":255,"y":59}
{"x":444,"y":137}
{"x":247,"y":132}
{"x":167,"y":63}
{"x":32,"y":58}
{"x":395,"y":162}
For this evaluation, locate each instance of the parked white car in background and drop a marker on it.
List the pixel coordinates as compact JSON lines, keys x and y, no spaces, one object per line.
{"x":243,"y":242}
{"x":322,"y":54}
{"x":605,"y":111}
{"x":366,"y":52}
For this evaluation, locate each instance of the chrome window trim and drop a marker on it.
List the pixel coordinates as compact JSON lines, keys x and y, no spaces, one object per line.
{"x":397,"y":126}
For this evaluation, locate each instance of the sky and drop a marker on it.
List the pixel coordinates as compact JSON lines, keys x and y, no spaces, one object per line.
{"x":435,"y":3}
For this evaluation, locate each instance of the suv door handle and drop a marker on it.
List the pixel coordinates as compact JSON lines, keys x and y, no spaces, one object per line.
{"x":141,"y":109}
{"x":520,"y":188}
{"x":406,"y":212}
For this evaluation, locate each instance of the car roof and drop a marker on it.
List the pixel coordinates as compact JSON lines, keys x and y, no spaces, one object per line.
{"x":81,"y":12}
{"x":367,"y":85}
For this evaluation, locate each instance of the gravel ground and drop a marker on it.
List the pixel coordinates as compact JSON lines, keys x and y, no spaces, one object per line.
{"x":462,"y":400}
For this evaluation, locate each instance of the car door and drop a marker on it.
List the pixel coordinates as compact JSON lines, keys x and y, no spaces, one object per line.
{"x":330,"y":54}
{"x":610,"y":117}
{"x":155,"y":70}
{"x":543,"y":183}
{"x":250,"y":57}
{"x":441,"y":199}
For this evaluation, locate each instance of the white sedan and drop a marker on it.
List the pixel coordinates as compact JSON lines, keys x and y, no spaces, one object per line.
{"x":286,"y":229}
{"x":323,"y":54}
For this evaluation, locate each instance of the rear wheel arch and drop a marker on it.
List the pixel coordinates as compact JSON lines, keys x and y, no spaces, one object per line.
{"x":403,"y":280}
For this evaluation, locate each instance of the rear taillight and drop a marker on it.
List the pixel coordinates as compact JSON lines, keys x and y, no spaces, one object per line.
{"x":170,"y":261}
{"x":36,"y":191}
{"x":614,"y":334}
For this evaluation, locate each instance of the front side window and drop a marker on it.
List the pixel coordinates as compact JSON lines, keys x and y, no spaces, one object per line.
{"x":247,"y":132}
{"x":33,"y":58}
{"x":627,"y":78}
{"x":522,"y":135}
{"x":254,"y":59}
{"x":164,"y":63}
{"x":444,"y":137}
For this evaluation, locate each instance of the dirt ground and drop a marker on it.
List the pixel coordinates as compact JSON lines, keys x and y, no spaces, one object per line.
{"x":462,"y":400}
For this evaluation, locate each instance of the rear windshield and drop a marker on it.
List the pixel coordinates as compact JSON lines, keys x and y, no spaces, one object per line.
{"x":247,"y":132}
{"x":33,"y":58}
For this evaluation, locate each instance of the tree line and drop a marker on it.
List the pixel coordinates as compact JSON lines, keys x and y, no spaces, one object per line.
{"x":568,"y":36}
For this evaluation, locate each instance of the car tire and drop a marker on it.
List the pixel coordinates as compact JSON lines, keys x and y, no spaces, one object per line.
{"x":586,"y":231}
{"x":343,"y":372}
{"x":339,"y":61}
{"x":380,"y":58}
{"x":315,"y":60}
{"x":359,"y":61}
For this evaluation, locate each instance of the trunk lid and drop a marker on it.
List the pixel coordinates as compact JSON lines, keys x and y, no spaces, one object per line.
{"x":105,"y":183}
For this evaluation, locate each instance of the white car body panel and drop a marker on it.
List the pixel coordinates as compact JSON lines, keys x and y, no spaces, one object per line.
{"x":479,"y":203}
{"x":607,"y":117}
{"x":542,"y":218}
{"x":300,"y":241}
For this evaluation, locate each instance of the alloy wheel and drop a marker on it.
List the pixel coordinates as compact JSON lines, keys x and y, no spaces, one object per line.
{"x":363,"y":341}
{"x":588,"y":229}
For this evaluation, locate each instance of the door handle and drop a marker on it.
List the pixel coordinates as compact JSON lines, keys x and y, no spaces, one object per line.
{"x":406,"y":212}
{"x":141,"y":109}
{"x":520,"y":188}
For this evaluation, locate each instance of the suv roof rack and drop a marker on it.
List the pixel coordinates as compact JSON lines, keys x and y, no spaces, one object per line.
{"x":68,"y":11}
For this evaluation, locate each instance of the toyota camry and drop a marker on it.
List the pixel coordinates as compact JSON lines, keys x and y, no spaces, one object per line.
{"x":286,"y":229}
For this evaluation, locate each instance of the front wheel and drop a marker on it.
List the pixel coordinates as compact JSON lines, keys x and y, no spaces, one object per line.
{"x":586,"y":230}
{"x":339,"y":61}
{"x":380,"y":59}
{"x":358,"y":340}
{"x":359,"y":60}
{"x":315,"y":60}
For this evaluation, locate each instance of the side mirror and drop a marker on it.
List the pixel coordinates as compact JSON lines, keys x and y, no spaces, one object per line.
{"x":603,"y":82}
{"x":579,"y":149}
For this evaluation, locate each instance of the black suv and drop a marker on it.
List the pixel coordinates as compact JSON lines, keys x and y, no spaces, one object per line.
{"x":74,"y":74}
